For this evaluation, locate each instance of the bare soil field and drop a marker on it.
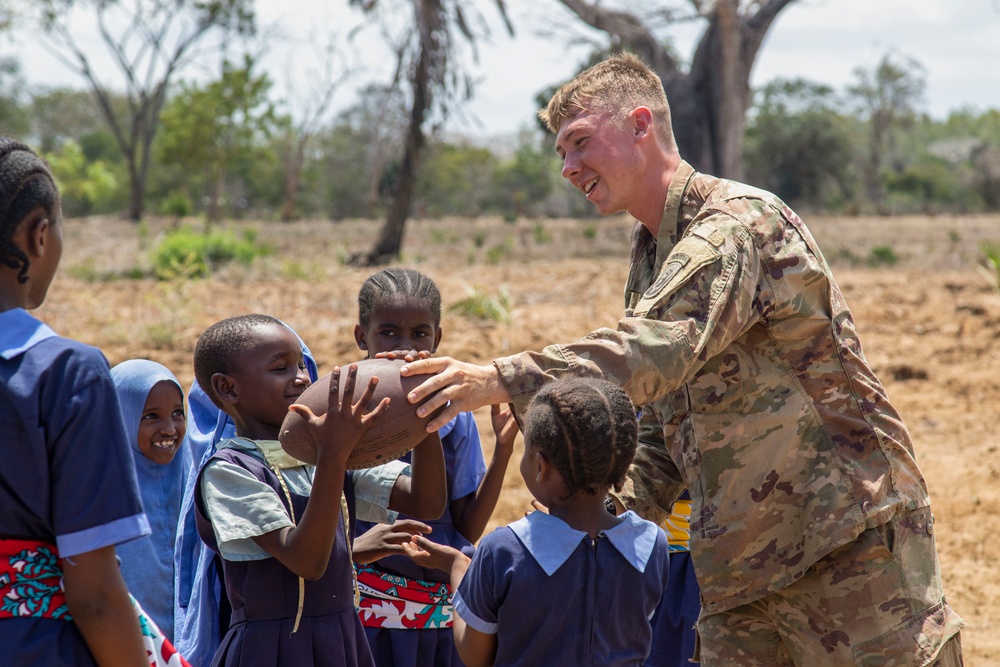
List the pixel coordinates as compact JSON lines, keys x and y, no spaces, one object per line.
{"x":929,"y":323}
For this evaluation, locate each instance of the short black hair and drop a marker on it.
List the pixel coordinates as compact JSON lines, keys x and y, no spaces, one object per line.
{"x":221,"y":346}
{"x":587,"y":428}
{"x":395,"y":283}
{"x":25,"y":184}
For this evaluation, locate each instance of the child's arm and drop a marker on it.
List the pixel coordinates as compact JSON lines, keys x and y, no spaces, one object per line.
{"x":305,"y":548}
{"x":471,"y":513}
{"x":477,"y":649}
{"x":100,"y":606}
{"x":424,"y":492}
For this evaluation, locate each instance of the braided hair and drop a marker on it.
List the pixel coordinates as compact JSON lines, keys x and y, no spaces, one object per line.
{"x":221,"y":346}
{"x":26,"y":183}
{"x":401,"y":285}
{"x":587,"y":428}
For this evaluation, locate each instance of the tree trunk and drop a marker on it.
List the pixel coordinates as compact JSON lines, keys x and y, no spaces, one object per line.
{"x":293,"y":171}
{"x":708,"y":103}
{"x":390,"y":240}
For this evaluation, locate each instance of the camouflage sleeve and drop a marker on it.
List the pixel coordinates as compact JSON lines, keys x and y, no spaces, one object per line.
{"x":653,"y":482}
{"x":702,"y":300}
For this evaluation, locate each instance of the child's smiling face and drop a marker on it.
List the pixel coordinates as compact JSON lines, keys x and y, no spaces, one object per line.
{"x":399,"y":325}
{"x":161,"y":427}
{"x":271,"y":376}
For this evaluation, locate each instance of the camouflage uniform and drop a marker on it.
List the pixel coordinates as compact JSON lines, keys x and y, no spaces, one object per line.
{"x":756,"y":395}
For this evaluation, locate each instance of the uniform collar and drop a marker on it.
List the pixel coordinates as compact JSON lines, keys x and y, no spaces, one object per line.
{"x":19,"y":332}
{"x":268,"y":450}
{"x":551,"y":541}
{"x":670,"y":224}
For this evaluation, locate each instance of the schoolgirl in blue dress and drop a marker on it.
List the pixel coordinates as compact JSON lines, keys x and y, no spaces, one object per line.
{"x":152,"y":405}
{"x":287,"y":565}
{"x":576,"y":585}
{"x":406,"y":608}
{"x":67,"y":486}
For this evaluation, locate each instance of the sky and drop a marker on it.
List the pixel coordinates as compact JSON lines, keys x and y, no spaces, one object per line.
{"x":821,"y":40}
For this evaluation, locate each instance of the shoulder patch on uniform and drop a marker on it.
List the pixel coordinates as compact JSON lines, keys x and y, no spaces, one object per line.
{"x":675,"y":262}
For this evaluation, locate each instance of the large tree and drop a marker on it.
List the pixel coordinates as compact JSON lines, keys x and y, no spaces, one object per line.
{"x":149,"y":41}
{"x":430,"y":63}
{"x":216,"y":126}
{"x":888,"y":96}
{"x":709,"y":99}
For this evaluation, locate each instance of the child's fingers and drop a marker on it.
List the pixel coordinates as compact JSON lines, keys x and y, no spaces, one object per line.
{"x":495,"y":409}
{"x":366,"y":396}
{"x":411,"y":526}
{"x":334,"y":396}
{"x":303,"y":411}
{"x":352,"y":377}
{"x":376,"y":411}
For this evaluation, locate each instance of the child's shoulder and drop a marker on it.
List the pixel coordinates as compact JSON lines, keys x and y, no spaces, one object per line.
{"x":21,"y":333}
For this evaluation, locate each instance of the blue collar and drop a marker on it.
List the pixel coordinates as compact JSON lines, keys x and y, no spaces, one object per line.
{"x":551,"y":541}
{"x":19,"y":332}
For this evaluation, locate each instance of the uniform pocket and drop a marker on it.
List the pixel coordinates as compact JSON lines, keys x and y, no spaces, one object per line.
{"x":915,"y":641}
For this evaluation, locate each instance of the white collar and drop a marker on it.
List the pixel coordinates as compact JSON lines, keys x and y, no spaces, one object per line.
{"x":551,"y":541}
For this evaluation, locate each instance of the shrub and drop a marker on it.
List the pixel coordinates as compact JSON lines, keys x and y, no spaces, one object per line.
{"x":186,"y":253}
{"x":990,"y":268}
{"x":479,"y":305}
{"x":883,"y":255}
{"x":542,"y":235}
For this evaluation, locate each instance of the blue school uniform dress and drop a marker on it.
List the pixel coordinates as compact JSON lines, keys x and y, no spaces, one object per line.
{"x":201,"y":614}
{"x":553,"y":596}
{"x":406,"y":609}
{"x":250,"y":488}
{"x":674,"y":635}
{"x":147,"y":564}
{"x":67,"y":483}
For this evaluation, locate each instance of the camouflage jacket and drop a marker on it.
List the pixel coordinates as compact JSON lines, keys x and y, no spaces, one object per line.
{"x":755,"y":394}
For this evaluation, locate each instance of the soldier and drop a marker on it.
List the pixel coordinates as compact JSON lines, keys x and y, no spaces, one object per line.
{"x":811,"y":530}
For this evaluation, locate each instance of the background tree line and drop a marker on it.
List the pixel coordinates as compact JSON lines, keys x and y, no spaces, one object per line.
{"x":222,"y":147}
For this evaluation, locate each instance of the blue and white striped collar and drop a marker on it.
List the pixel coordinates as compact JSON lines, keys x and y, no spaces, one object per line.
{"x":551,"y":541}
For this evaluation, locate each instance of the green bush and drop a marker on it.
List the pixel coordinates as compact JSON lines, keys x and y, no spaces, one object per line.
{"x":883,"y":255}
{"x":542,"y":235}
{"x":177,"y":204}
{"x":186,"y":253}
{"x":479,"y":305}
{"x":990,"y":268}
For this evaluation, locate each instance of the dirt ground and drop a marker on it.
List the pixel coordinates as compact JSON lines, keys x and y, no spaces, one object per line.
{"x":929,"y":322}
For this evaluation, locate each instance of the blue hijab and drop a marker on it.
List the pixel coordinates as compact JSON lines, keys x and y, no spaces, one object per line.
{"x":198,"y":586}
{"x":147,"y":564}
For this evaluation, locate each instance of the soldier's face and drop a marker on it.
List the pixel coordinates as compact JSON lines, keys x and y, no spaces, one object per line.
{"x":599,"y":159}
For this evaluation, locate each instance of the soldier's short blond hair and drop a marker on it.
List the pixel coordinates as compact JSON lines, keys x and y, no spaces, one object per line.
{"x":618,"y":85}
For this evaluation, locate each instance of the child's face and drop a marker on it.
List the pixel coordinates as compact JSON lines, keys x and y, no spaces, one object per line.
{"x":161,"y":428}
{"x":271,"y":376}
{"x":399,"y":326}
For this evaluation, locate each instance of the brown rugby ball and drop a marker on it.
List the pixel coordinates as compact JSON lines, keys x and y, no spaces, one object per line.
{"x":395,"y":432}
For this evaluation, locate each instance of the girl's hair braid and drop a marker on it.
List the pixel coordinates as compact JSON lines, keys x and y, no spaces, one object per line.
{"x":395,"y":284}
{"x":25,"y":184}
{"x":587,"y":428}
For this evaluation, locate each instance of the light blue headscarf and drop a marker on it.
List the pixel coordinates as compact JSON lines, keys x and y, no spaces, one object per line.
{"x":147,"y":564}
{"x":198,"y":587}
